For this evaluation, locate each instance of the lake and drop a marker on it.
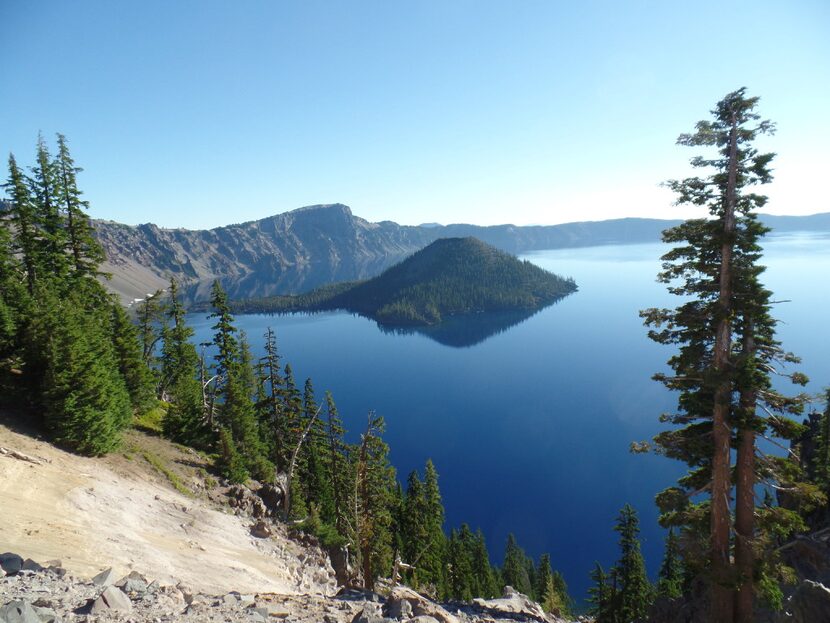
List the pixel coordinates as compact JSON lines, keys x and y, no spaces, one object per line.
{"x":529,"y":419}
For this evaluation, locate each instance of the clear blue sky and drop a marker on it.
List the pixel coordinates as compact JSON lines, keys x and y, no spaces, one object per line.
{"x":199,"y":113}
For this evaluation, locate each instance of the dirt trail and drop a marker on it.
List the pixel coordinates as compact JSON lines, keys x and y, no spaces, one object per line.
{"x":118,"y":511}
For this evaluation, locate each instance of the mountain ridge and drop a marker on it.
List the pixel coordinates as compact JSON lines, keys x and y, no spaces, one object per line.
{"x":301,"y":249}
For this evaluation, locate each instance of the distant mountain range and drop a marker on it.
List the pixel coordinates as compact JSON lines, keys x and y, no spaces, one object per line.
{"x":299,"y":250}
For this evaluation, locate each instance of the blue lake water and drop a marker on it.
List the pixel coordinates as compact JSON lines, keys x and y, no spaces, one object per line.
{"x":530,"y":427}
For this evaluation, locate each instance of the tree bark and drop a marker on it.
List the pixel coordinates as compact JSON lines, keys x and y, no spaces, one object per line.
{"x":745,"y":494}
{"x":722,"y":593}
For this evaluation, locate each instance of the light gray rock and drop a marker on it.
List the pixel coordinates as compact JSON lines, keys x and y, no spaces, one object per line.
{"x":134,"y":582}
{"x":370,"y":613}
{"x":420,"y":605}
{"x":112,"y":599}
{"x":258,"y":614}
{"x":11,"y":563}
{"x":105,"y":578}
{"x":399,"y":609}
{"x":422,"y":619}
{"x":18,"y":612}
{"x":230,"y":599}
{"x":31,"y":565}
{"x":511,"y":603}
{"x":187,"y":593}
{"x":46,"y":615}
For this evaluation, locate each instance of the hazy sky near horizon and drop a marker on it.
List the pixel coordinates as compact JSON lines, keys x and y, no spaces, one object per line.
{"x":203,"y":113}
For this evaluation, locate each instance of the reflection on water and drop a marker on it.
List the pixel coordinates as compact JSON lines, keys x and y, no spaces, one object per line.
{"x":465,"y":330}
{"x":273,"y":280}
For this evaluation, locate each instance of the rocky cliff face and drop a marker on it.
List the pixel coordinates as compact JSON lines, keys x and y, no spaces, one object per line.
{"x":279,"y":253}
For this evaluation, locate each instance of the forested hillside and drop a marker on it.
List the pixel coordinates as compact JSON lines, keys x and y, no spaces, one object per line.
{"x":82,"y":372}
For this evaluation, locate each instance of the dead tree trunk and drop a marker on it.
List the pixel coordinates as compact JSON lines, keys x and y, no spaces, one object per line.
{"x":293,"y":462}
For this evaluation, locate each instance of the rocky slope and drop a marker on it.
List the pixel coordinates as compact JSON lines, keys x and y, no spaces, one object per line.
{"x":147,"y":535}
{"x":122,"y":511}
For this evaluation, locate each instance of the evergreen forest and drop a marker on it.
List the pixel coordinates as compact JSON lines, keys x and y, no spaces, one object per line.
{"x":85,"y":371}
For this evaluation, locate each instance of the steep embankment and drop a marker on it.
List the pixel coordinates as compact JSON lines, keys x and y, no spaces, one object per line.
{"x":121,"y":512}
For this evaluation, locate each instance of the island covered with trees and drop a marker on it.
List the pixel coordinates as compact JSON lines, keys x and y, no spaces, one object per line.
{"x":449,"y":277}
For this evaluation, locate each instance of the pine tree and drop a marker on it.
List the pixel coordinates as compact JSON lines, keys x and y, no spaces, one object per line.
{"x":821,"y":456}
{"x":339,"y":473}
{"x":726,"y":352}
{"x":485,"y":583}
{"x":10,"y":291}
{"x":316,"y":484}
{"x":514,"y":569}
{"x":670,"y":578}
{"x":601,"y":596}
{"x":560,"y":597}
{"x":374,"y":487}
{"x":22,"y":216}
{"x":431,"y":563}
{"x":227,"y":346}
{"x":151,"y":323}
{"x":85,"y":251}
{"x":237,"y":414}
{"x":269,"y":405}
{"x":86,"y":401}
{"x":231,"y":463}
{"x":292,"y":409}
{"x":131,"y":365}
{"x":459,"y":568}
{"x":44,"y":185}
{"x":635,"y":592}
{"x":414,"y":521}
{"x":543,"y":581}
{"x":186,"y":420}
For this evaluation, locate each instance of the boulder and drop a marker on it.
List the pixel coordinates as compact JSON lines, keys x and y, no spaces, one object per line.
{"x":261,"y":530}
{"x":18,"y":612}
{"x":105,"y":578}
{"x":421,"y":606}
{"x":399,"y":609}
{"x":272,"y":496}
{"x":112,"y":599}
{"x":512,"y":603}
{"x":370,"y":613}
{"x":810,"y":603}
{"x":31,"y":565}
{"x":55,"y":567}
{"x":133,"y":583}
{"x":259,"y":614}
{"x":11,"y":563}
{"x":46,"y":615}
{"x":421,"y":619}
{"x":187,"y":593}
